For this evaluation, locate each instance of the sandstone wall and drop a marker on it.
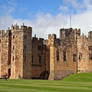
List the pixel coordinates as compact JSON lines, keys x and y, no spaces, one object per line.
{"x":4,"y":52}
{"x":39,"y":58}
{"x":17,"y":54}
{"x":21,"y":52}
{"x":84,"y":52}
{"x":27,"y":52}
{"x":67,"y":43}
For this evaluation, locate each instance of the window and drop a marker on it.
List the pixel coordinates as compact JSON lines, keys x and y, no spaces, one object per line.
{"x":24,"y":46}
{"x":13,"y":36}
{"x":25,"y":36}
{"x":80,"y":56}
{"x":90,"y":56}
{"x":24,"y":58}
{"x":9,"y":72}
{"x":13,"y":58}
{"x":13,"y":47}
{"x":90,"y":47}
{"x":74,"y":57}
{"x":39,"y":47}
{"x":32,"y":59}
{"x":24,"y":49}
{"x":64,"y":55}
{"x":57,"y":55}
{"x":39,"y":59}
{"x":0,"y":40}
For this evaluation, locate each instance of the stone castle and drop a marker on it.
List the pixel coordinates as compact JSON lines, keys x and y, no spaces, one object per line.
{"x":27,"y":57}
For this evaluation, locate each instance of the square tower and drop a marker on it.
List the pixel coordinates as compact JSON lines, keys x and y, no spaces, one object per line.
{"x":4,"y":52}
{"x":21,"y":52}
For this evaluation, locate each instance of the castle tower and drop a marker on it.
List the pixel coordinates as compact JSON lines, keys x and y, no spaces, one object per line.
{"x":4,"y":52}
{"x":21,"y":52}
{"x":51,"y":43}
{"x":90,"y":37}
{"x":69,"y":34}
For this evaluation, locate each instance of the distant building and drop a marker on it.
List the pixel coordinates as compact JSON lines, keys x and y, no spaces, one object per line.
{"x":27,"y":57}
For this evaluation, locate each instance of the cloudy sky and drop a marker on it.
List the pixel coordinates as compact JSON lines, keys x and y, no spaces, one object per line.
{"x":47,"y":16}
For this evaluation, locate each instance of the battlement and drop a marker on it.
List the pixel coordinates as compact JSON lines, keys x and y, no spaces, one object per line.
{"x":4,"y":32}
{"x":23,"y":27}
{"x":51,"y":39}
{"x":69,"y":35}
{"x":52,"y":36}
{"x":69,"y":32}
{"x":37,"y":39}
{"x":41,"y":40}
{"x":90,"y":35}
{"x":16,"y":27}
{"x":78,"y":32}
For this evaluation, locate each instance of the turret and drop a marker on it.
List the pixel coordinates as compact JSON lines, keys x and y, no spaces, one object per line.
{"x":90,"y":36}
{"x":51,"y":39}
{"x":51,"y":43}
{"x":23,"y":27}
{"x":15,"y":27}
{"x":69,"y":34}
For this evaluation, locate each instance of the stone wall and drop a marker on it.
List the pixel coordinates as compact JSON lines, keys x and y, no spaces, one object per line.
{"x":16,"y":53}
{"x":84,"y":53}
{"x":22,"y":56}
{"x":27,"y":52}
{"x":67,"y":44}
{"x":4,"y":52}
{"x":21,"y":52}
{"x":39,"y":58}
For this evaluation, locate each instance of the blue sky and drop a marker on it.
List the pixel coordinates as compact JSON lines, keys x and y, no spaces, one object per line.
{"x":30,"y":8}
{"x":47,"y":16}
{"x":26,"y":8}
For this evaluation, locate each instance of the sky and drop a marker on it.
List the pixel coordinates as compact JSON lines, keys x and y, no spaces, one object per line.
{"x":47,"y":16}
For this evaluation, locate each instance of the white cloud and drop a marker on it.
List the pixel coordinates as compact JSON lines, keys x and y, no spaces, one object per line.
{"x":45,"y":24}
{"x":63,"y":8}
{"x":83,"y":21}
{"x":79,"y":6}
{"x":5,"y":22}
{"x":7,"y":8}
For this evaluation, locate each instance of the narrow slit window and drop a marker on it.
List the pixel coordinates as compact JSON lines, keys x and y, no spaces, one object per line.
{"x":39,"y":59}
{"x":74,"y":57}
{"x":57,"y":55}
{"x":64,"y":56}
{"x":90,"y":56}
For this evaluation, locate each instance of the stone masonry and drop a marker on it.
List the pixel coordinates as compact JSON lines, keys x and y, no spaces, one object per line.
{"x":26,"y":57}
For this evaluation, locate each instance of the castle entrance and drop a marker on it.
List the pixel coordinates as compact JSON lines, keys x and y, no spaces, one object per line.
{"x":9,"y":73}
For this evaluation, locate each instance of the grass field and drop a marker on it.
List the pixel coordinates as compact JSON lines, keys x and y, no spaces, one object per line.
{"x":74,"y":83}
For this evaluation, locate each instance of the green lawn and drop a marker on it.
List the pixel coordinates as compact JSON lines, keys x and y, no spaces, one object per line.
{"x":74,"y":83}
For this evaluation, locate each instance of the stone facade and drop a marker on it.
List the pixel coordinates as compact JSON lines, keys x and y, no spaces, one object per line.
{"x":4,"y":52}
{"x":16,"y":52}
{"x":24,"y":56}
{"x":63,"y":53}
{"x":85,"y":53}
{"x":70,"y":53}
{"x":21,"y":52}
{"x":39,"y":58}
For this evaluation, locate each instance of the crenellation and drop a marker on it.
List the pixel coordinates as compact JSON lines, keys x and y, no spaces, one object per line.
{"x":23,"y":27}
{"x":16,"y":27}
{"x":29,"y":28}
{"x":52,"y":36}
